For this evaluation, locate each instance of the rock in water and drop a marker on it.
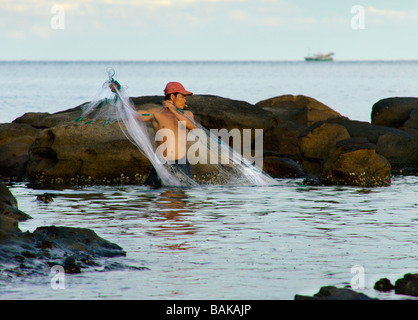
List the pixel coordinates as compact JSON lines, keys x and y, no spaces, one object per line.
{"x":393,"y":112}
{"x":77,"y":239}
{"x":383,"y":285}
{"x":407,"y":285}
{"x":358,"y":165}
{"x":334,"y":293}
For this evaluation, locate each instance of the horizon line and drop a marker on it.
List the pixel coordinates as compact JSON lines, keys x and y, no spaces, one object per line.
{"x":204,"y":60}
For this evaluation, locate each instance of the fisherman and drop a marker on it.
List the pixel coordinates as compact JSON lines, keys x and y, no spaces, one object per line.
{"x":174,"y":118}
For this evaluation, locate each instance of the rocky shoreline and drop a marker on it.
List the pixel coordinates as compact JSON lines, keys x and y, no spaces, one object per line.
{"x":406,"y":286}
{"x":301,"y":138}
{"x":34,"y":253}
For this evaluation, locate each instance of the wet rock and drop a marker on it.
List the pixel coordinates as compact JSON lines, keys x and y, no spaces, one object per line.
{"x":8,"y":205}
{"x":401,"y":150}
{"x":91,"y":153}
{"x":411,"y":125}
{"x":320,"y":139}
{"x":26,"y":253}
{"x":407,"y":285}
{"x":15,"y":140}
{"x":283,"y":140}
{"x":71,"y":265}
{"x":362,"y":129}
{"x":76,"y":239}
{"x":13,"y":212}
{"x":43,"y":120}
{"x":6,"y":196}
{"x":71,"y":248}
{"x":393,"y":142}
{"x":46,"y":197}
{"x":8,"y":225}
{"x":384,"y":285}
{"x":214,"y":112}
{"x":334,"y":293}
{"x":394,"y":112}
{"x":278,"y":167}
{"x":300,"y":109}
{"x":53,"y":149}
{"x":356,"y":167}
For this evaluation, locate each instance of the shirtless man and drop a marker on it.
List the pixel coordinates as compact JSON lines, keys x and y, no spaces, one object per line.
{"x":171,"y":117}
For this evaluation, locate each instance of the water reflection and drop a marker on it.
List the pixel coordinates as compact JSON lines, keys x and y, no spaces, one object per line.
{"x":170,"y":221}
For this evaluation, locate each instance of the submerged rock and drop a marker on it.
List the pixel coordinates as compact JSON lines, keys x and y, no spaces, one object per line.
{"x":26,"y":253}
{"x":334,"y":293}
{"x":384,"y":285}
{"x":278,"y":167}
{"x":407,"y":285}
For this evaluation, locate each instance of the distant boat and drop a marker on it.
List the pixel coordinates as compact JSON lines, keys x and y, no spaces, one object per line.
{"x":321,"y":57}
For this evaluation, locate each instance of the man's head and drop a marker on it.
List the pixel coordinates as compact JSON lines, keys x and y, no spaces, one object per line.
{"x":175,"y":92}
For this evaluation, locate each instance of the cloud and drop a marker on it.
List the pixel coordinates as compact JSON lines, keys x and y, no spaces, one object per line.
{"x":393,"y":15}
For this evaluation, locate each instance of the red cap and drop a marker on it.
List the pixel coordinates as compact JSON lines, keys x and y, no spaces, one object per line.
{"x":176,"y":87}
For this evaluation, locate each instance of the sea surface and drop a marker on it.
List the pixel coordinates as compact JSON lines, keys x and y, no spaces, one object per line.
{"x":223,"y":242}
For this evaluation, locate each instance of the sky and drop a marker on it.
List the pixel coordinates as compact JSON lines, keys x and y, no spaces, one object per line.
{"x":208,"y":29}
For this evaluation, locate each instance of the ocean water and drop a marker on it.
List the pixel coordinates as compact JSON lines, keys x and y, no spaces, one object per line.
{"x":223,"y":242}
{"x":349,"y":87}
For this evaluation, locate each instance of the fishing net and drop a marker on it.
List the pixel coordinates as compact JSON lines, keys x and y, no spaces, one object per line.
{"x":221,"y":163}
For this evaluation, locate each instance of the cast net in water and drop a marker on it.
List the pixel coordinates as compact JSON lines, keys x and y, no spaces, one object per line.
{"x":220,"y":163}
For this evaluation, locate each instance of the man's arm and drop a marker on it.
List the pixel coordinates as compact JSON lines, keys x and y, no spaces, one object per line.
{"x":145,"y":115}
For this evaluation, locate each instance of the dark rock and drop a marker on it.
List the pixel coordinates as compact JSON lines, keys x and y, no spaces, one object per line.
{"x":8,"y":225}
{"x":71,"y":265}
{"x":283,"y":140}
{"x":13,"y":212}
{"x":393,"y":112}
{"x":362,"y":129}
{"x":214,"y":112}
{"x":6,"y":196}
{"x":8,"y":205}
{"x":357,"y":167}
{"x":383,"y":285}
{"x":30,"y":252}
{"x":46,"y":197}
{"x":77,"y":239}
{"x":353,"y":144}
{"x":40,"y":120}
{"x":401,"y":150}
{"x":53,"y":149}
{"x":411,"y":125}
{"x":278,"y":167}
{"x":321,"y":139}
{"x":15,"y":140}
{"x":300,"y":109}
{"x":77,"y":153}
{"x":407,"y":285}
{"x":334,"y":293}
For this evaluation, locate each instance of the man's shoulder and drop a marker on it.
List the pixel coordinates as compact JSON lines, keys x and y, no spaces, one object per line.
{"x":188,"y":113}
